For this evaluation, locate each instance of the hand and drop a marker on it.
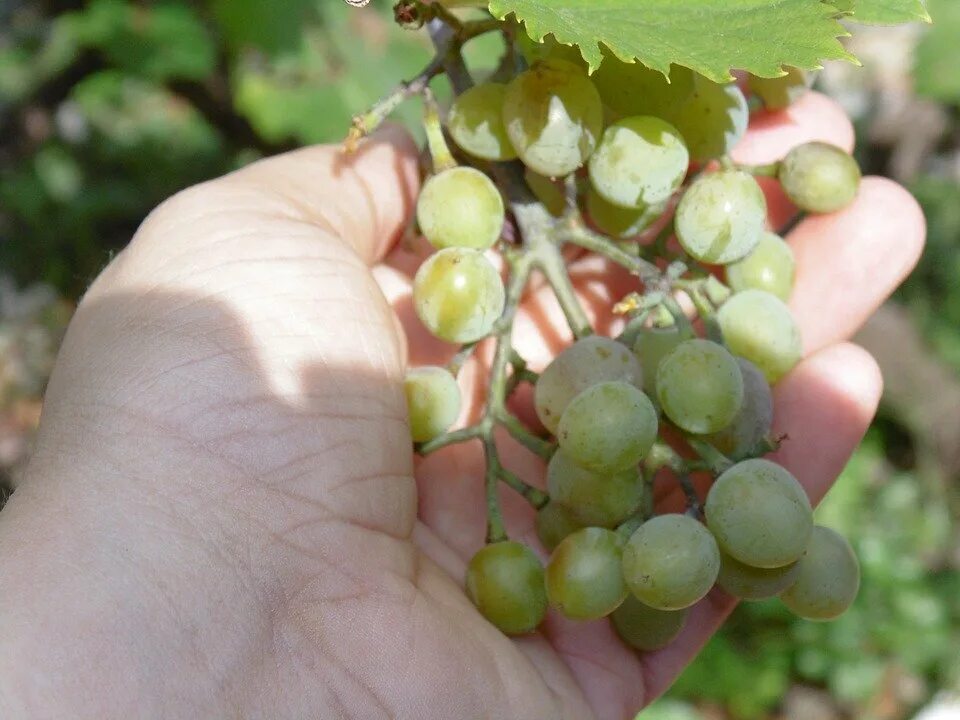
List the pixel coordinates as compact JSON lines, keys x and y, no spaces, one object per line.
{"x":221,"y":518}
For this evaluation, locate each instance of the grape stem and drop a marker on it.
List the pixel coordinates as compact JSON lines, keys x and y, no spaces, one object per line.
{"x":690,"y":493}
{"x":769,"y":170}
{"x":367,"y":122}
{"x":577,"y":234}
{"x":715,"y":460}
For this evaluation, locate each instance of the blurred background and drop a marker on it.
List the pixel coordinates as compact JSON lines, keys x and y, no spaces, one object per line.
{"x":107,"y":107}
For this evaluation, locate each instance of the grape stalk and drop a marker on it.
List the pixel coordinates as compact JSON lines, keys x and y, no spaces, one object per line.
{"x":633,"y":167}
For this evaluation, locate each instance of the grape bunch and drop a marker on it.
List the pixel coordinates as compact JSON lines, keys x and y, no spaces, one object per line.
{"x":635,"y":167}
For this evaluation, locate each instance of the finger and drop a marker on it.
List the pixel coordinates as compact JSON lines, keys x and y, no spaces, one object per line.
{"x":849,"y":262}
{"x":825,"y":406}
{"x":814,"y":117}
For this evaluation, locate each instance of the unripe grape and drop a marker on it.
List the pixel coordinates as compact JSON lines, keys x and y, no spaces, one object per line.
{"x":608,"y":427}
{"x":700,"y":386}
{"x":759,"y":514}
{"x":750,"y":583}
{"x":554,"y":522}
{"x":553,"y":117}
{"x":584,"y":576}
{"x":713,"y":119}
{"x":819,"y":177}
{"x":769,"y":267}
{"x":433,"y":401}
{"x":671,"y":562}
{"x":458,"y":295}
{"x":547,"y":191}
{"x":645,"y":628}
{"x":721,"y":217}
{"x":652,"y":346}
{"x":593,"y":498}
{"x":759,"y":327}
{"x":634,"y":89}
{"x":754,"y":420}
{"x":475,"y":122}
{"x":781,"y":92}
{"x":589,"y":361}
{"x":505,"y":581}
{"x":639,"y":162}
{"x":829,"y":578}
{"x":617,"y":222}
{"x":460,"y":207}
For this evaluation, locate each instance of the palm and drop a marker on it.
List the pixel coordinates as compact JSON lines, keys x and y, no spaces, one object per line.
{"x":230,"y":395}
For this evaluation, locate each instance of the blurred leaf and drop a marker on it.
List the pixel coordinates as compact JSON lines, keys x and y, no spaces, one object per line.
{"x":160,"y":41}
{"x":269,"y":25}
{"x":936,"y":68}
{"x":887,"y":12}
{"x":343,"y":68}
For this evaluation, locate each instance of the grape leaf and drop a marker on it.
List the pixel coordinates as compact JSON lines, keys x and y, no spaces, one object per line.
{"x":888,"y":12}
{"x":711,"y":37}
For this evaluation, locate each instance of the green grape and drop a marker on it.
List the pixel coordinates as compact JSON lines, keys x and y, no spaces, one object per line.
{"x":433,"y":401}
{"x":458,"y":295}
{"x":553,"y":117}
{"x":829,"y":578}
{"x":475,"y":123}
{"x":584,"y":576}
{"x":505,"y":581}
{"x":460,"y":207}
{"x":713,"y":119}
{"x":755,"y":419}
{"x":645,"y":628}
{"x":769,"y":267}
{"x":759,"y":327}
{"x":547,"y":191}
{"x":700,"y":386}
{"x":640,"y":161}
{"x":759,"y":514}
{"x":819,"y":177}
{"x":721,"y":217}
{"x":781,"y":92}
{"x":652,"y":346}
{"x":619,"y":222}
{"x":554,"y":522}
{"x":534,"y":52}
{"x":587,"y":362}
{"x":750,"y":583}
{"x":608,"y":427}
{"x":671,"y":562}
{"x":634,"y":89}
{"x":593,"y":498}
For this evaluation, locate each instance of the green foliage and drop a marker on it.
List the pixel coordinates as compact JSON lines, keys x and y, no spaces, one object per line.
{"x":932,"y":292}
{"x":754,"y":35}
{"x":168,"y":40}
{"x":266,"y":25}
{"x":936,"y":67}
{"x":310,"y":91}
{"x":887,"y":12}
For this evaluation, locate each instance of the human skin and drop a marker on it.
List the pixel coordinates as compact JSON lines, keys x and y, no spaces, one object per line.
{"x":223,"y":519}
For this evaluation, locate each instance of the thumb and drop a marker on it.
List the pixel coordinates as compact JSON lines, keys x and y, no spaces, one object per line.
{"x":243,"y":317}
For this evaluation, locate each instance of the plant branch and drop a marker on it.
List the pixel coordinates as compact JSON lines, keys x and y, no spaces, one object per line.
{"x":585,"y":238}
{"x":536,"y":497}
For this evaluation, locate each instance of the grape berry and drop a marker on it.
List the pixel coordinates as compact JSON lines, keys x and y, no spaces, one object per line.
{"x":549,"y":156}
